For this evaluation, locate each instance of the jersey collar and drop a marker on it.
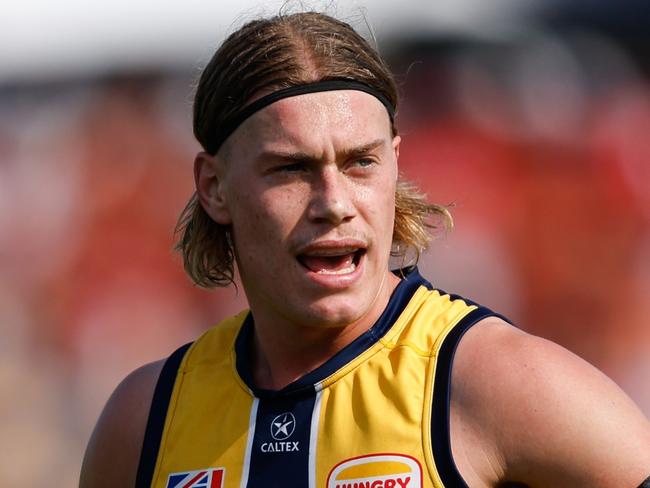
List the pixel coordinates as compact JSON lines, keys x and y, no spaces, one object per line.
{"x":307,"y":384}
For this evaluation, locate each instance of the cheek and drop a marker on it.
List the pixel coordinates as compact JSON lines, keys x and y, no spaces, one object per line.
{"x":379,"y":202}
{"x":266,"y":217}
{"x":284,"y":205}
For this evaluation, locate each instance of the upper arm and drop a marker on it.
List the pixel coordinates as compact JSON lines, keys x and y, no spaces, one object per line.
{"x":545,"y":416}
{"x":113,"y":452}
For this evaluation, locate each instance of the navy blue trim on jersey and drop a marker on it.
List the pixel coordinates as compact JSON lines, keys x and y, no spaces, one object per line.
{"x":401,"y":296}
{"x":280,"y":450}
{"x":157,"y":415}
{"x":440,"y":409}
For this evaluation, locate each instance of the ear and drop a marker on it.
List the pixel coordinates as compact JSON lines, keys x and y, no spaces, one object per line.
{"x":209,"y":173}
{"x":396,"y":142}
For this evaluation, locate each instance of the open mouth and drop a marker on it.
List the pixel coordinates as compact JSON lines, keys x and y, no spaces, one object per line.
{"x":335,"y":262}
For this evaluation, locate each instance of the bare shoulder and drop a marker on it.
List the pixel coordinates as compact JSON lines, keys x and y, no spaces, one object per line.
{"x":113,"y":451}
{"x":541,"y":415}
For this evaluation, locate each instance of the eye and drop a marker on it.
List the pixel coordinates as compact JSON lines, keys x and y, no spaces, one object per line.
{"x":363,"y":163}
{"x":291,"y":168}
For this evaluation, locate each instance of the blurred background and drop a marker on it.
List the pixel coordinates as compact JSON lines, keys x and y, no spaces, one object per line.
{"x":531,"y":120}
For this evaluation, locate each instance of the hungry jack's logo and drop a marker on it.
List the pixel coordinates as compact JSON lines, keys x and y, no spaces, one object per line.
{"x":376,"y":471}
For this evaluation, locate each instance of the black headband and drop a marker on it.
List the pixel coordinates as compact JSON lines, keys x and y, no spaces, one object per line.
{"x":230,"y":124}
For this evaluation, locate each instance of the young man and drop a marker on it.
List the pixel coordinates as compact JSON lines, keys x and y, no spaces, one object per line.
{"x":343,"y":373}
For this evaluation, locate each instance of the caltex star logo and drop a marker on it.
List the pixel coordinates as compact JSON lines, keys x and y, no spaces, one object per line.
{"x":283,"y":426}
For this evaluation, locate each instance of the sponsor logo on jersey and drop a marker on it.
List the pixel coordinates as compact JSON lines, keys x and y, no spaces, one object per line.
{"x":282,"y":428}
{"x":376,"y":471}
{"x":203,"y":478}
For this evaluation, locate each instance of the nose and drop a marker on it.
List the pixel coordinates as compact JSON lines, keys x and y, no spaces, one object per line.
{"x":332,"y":198}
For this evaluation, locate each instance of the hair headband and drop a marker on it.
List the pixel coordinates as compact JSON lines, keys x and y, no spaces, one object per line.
{"x":237,"y":119}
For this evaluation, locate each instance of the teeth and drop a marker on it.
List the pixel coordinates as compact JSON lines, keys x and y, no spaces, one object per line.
{"x":333,"y":252}
{"x":347,"y":270}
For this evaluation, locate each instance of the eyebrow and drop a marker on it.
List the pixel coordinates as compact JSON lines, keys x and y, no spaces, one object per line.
{"x":298,"y":156}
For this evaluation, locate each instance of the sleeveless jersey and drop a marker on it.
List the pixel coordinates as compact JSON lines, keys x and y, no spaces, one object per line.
{"x":375,"y":415}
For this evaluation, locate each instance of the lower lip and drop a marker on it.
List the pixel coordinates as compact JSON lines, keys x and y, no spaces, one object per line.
{"x":334,"y":281}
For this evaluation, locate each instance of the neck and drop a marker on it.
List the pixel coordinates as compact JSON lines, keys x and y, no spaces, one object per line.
{"x":280,"y":360}
{"x":283,"y":351}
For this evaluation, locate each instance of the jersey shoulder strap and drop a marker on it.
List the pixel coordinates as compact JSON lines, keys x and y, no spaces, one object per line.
{"x":441,"y":406}
{"x":157,"y":415}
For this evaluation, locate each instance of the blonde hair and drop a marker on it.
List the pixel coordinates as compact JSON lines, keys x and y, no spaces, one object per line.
{"x":271,"y":54}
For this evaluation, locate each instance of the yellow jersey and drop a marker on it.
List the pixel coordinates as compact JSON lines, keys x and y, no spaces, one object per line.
{"x":375,"y":415}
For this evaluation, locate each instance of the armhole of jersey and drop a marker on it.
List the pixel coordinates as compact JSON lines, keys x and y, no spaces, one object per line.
{"x":157,"y":415}
{"x":440,"y":409}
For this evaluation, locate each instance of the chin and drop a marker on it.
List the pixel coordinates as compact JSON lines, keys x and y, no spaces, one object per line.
{"x":335,"y":313}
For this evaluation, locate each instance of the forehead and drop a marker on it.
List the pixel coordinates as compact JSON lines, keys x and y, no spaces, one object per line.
{"x":338,"y":117}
